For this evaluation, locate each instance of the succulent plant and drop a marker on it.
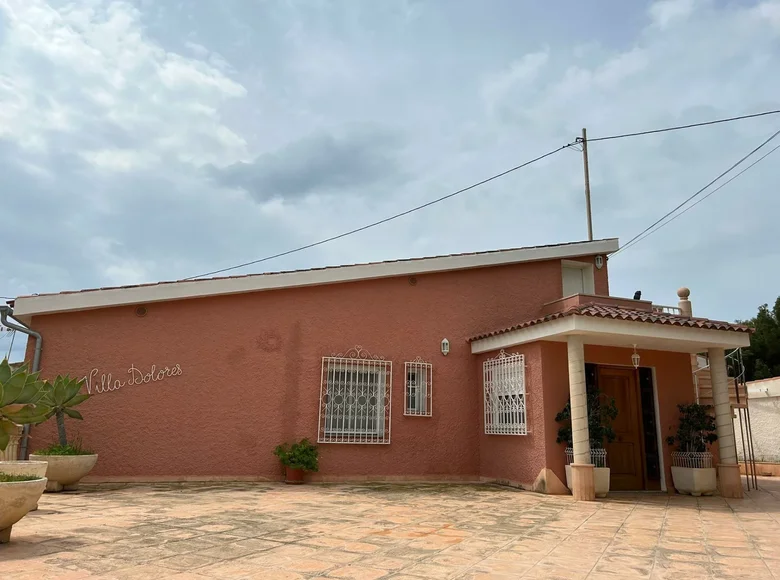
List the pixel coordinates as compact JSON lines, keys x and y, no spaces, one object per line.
{"x":21,"y":400}
{"x":60,"y":397}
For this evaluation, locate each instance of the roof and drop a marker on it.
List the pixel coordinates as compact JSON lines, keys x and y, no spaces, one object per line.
{"x":596,"y":310}
{"x":28,"y":306}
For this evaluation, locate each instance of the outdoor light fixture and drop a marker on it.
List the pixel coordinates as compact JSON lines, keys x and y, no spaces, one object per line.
{"x":445,"y":346}
{"x":635,"y":358}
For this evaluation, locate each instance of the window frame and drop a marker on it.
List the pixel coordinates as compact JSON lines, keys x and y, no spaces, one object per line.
{"x":504,"y":379}
{"x":353,"y":364}
{"x":418,"y":366}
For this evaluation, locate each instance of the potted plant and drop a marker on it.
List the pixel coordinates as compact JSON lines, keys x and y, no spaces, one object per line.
{"x":692,"y":470}
{"x":20,"y":403}
{"x":68,"y":462}
{"x":602,"y":410}
{"x":297,"y":459}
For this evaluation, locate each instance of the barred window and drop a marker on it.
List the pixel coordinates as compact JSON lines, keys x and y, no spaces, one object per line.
{"x":355,"y":395}
{"x":418,"y":396}
{"x":504,"y":396}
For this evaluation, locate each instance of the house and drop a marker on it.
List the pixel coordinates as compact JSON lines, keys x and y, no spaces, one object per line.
{"x":444,"y":368}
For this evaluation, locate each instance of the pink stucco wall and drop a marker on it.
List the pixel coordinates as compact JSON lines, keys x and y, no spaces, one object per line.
{"x":251,"y":368}
{"x":517,"y":458}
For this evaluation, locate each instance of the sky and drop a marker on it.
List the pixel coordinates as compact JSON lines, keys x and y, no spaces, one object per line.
{"x":154,"y":140}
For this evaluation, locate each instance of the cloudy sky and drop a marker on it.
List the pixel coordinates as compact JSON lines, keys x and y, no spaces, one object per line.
{"x":158,"y":139}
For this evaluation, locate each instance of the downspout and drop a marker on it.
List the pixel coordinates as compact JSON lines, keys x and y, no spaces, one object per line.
{"x":6,"y":311}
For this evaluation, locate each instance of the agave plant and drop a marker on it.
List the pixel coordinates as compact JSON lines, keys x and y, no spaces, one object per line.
{"x":21,"y":400}
{"x":60,"y":397}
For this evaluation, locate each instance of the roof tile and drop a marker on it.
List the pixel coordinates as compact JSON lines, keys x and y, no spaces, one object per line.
{"x":622,"y":313}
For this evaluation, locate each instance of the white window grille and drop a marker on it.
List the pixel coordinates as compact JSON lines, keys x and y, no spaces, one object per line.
{"x":355,"y":394}
{"x":504,"y":383}
{"x":418,"y":396}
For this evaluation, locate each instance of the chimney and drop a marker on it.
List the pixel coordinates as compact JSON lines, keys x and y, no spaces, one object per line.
{"x":684,"y":304}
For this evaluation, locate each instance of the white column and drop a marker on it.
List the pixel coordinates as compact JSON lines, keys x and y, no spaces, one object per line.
{"x":579,"y":401}
{"x":723,"y":413}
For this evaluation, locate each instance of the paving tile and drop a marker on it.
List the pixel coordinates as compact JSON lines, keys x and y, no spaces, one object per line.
{"x":399,"y":531}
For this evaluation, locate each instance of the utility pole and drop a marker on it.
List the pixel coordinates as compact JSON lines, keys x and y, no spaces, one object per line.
{"x":584,"y":142}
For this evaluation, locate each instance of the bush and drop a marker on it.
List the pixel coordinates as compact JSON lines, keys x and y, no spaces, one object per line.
{"x":696,"y":430}
{"x":302,"y":455}
{"x":602,"y":410}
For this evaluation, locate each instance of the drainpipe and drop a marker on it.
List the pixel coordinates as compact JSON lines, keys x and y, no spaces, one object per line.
{"x":6,"y":311}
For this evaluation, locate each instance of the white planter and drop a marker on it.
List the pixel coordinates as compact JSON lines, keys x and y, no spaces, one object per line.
{"x":600,"y":480}
{"x":12,"y":450}
{"x":695,"y":481}
{"x":24,"y":468}
{"x":65,"y":471}
{"x":16,"y":499}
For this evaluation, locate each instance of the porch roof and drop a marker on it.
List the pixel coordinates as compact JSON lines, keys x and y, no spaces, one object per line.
{"x":615,"y":325}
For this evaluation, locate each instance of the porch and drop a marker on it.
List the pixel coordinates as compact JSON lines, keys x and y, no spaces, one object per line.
{"x":633,"y":352}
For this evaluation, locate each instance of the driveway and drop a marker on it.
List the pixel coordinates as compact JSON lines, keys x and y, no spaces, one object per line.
{"x":404,"y":532}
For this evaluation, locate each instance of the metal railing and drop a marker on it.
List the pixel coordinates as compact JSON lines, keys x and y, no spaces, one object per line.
{"x":692,"y":459}
{"x":736,"y":368}
{"x":598,"y":457}
{"x":659,"y":308}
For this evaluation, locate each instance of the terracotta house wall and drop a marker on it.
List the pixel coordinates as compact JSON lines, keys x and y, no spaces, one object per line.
{"x":251,"y":368}
{"x":517,"y":459}
{"x":556,"y":391}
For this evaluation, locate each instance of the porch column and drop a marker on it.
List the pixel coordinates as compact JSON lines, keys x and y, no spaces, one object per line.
{"x":728,"y":468}
{"x":582,"y":484}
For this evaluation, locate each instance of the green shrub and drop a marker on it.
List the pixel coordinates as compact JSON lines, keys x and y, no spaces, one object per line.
{"x":602,"y":410}
{"x":696,"y":430}
{"x":302,"y":455}
{"x":74,"y":448}
{"x":8,"y":478}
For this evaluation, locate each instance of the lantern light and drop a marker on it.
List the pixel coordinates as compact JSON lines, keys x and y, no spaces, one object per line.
{"x":635,"y":358}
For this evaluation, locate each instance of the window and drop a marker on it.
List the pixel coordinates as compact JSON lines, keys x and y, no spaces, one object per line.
{"x":504,"y":384}
{"x":355,"y":398}
{"x":418,"y":397}
{"x":578,"y":278}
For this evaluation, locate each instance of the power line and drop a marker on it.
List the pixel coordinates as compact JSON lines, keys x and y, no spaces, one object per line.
{"x":722,"y":185}
{"x":679,"y":127}
{"x":641,"y":235}
{"x":484,"y":181}
{"x":385,"y":220}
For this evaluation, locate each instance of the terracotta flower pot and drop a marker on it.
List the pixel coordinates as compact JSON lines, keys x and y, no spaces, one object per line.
{"x":293,"y":476}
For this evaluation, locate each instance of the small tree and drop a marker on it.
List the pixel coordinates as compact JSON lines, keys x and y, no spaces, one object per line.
{"x":602,"y":411}
{"x":20,"y":400}
{"x":696,"y":430}
{"x":302,"y":455}
{"x":60,"y":397}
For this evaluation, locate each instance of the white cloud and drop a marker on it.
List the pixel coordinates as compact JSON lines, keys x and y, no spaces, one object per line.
{"x":119,"y":160}
{"x":666,"y":12}
{"x":115,"y":75}
{"x":104,"y":128}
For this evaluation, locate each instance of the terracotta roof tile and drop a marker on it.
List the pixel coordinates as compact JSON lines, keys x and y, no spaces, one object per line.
{"x":622,"y":313}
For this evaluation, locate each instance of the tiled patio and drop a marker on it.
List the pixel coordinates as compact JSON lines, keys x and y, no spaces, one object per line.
{"x":404,"y":532}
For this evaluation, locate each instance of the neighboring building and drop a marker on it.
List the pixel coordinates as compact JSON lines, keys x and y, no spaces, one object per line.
{"x":463,"y":363}
{"x":764,"y":407}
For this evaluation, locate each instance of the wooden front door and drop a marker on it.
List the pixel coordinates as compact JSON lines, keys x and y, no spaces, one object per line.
{"x":625,"y":455}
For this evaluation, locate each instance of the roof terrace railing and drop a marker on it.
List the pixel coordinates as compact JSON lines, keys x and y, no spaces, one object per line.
{"x":667,"y":309}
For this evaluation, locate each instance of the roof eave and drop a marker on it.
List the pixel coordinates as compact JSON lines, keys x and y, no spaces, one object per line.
{"x":28,"y":306}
